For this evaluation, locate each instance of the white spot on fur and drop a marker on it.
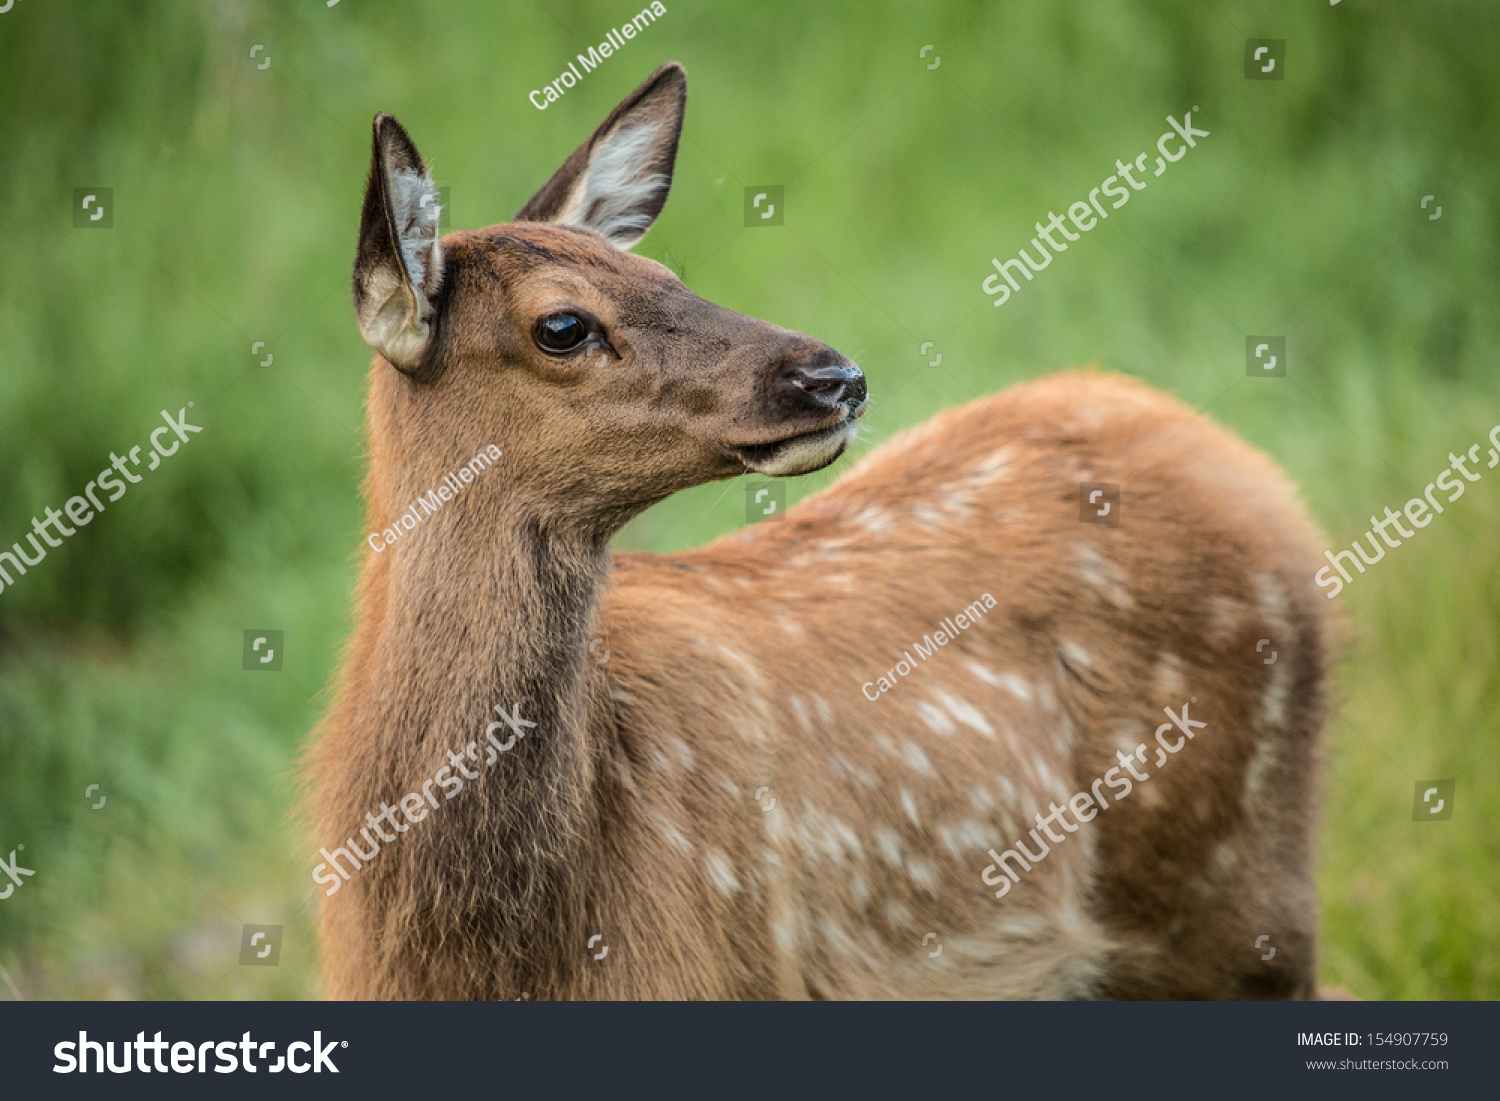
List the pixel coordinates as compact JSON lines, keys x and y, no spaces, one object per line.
{"x":1271,"y":597}
{"x":1259,"y":768}
{"x":1273,"y":703}
{"x":1224,"y":619}
{"x":619,"y":695}
{"x":1028,"y":927}
{"x":966,"y":713}
{"x":800,"y":709}
{"x":865,"y":777}
{"x":684,"y":754}
{"x":1029,"y":806}
{"x":859,"y":890}
{"x":1127,"y":737}
{"x":897,"y":914}
{"x":909,"y":804}
{"x":808,"y":842}
{"x":1049,"y":781}
{"x":674,"y":835}
{"x":936,"y":720}
{"x":1016,"y":686}
{"x":1047,"y":698}
{"x":985,"y":673}
{"x":783,"y":929}
{"x":825,"y":834}
{"x":916,"y":757}
{"x":839,"y":939}
{"x":888,"y":845}
{"x":967,"y":836}
{"x":729,"y":785}
{"x":740,"y":659}
{"x":994,"y":466}
{"x":1225,"y":856}
{"x":1102,"y":574}
{"x":847,"y":838}
{"x":720,"y":872}
{"x":957,"y":498}
{"x":825,"y":713}
{"x":1062,"y":735}
{"x":1075,"y":654}
{"x":874,"y":520}
{"x":1168,"y":677}
{"x":775,"y":825}
{"x":924,"y":875}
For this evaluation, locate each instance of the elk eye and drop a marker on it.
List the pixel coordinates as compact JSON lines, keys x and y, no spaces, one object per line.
{"x":561,"y":332}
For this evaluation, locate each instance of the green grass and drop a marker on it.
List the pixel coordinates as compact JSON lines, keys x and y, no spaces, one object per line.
{"x":236,"y":206}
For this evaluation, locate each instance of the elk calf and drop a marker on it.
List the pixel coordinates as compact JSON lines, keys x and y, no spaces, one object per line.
{"x":719,"y":793}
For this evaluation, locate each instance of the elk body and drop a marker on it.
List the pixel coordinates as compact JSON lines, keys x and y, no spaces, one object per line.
{"x":738,"y":792}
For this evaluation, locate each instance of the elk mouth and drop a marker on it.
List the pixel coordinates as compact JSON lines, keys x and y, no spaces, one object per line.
{"x":826,"y":384}
{"x":802,"y":453}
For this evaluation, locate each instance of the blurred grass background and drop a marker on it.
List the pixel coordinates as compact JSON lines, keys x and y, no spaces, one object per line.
{"x":236,"y":199}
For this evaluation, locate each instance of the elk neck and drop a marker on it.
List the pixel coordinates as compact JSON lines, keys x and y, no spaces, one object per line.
{"x":485,"y":603}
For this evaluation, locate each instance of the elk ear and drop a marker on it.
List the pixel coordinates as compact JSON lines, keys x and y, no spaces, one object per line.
{"x":616,"y":182}
{"x":399,"y":267}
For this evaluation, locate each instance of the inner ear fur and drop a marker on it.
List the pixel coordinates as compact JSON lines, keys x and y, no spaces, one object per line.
{"x":398,"y":269}
{"x":616,"y":183}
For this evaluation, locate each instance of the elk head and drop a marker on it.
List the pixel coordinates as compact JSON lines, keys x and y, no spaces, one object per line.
{"x":607,"y":383}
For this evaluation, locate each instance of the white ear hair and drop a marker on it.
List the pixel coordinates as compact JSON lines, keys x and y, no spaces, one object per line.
{"x":414,"y":205}
{"x":616,"y":183}
{"x":398,"y":270}
{"x":618,"y":196}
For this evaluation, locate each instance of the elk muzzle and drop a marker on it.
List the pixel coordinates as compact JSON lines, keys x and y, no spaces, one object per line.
{"x":829,"y":387}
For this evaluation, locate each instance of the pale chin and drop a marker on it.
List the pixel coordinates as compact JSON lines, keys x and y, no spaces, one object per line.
{"x":807,"y":453}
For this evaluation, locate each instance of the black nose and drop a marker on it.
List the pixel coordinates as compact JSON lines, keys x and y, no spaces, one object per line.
{"x":828,"y":385}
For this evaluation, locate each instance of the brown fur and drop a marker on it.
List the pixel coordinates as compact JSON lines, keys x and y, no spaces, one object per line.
{"x":631,"y":810}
